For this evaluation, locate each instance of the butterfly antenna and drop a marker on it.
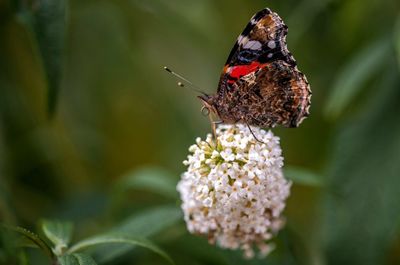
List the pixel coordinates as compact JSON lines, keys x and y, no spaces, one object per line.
{"x":193,"y":86}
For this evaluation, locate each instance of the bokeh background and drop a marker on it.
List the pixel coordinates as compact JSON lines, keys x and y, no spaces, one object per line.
{"x":93,"y":130}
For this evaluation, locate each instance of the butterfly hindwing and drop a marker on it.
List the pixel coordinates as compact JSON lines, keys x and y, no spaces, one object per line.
{"x":274,"y":94}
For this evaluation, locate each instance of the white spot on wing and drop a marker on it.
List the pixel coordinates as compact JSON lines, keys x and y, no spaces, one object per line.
{"x":270,"y":55}
{"x":242,"y":39}
{"x":252,"y":45}
{"x":271,"y":44}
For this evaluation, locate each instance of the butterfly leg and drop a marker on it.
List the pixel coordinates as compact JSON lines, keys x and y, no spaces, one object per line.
{"x":255,"y":137}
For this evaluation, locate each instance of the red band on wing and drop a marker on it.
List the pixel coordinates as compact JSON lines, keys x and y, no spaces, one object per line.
{"x":238,"y":71}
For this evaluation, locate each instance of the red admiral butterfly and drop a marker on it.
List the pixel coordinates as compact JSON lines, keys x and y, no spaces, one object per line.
{"x":260,"y":84}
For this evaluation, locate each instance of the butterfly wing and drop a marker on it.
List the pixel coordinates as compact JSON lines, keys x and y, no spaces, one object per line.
{"x":262,"y":41}
{"x":275,"y":94}
{"x":261,"y":68}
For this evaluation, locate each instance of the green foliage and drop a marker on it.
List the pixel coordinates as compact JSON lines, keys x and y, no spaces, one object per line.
{"x":144,"y":224}
{"x":364,"y":66}
{"x":154,"y":180}
{"x":34,"y":238}
{"x":46,"y":22}
{"x":115,"y":239}
{"x":76,"y":259}
{"x":110,"y":158}
{"x":59,"y":233}
{"x":363,"y":210}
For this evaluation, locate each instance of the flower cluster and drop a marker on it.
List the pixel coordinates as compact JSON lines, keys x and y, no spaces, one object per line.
{"x":234,"y":190}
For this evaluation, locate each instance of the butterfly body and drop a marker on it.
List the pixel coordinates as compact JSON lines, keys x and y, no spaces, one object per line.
{"x":260,"y":84}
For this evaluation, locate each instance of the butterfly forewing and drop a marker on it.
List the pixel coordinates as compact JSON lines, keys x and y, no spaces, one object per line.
{"x":262,"y":40}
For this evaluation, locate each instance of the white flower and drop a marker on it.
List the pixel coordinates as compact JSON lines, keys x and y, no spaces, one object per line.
{"x":234,"y":190}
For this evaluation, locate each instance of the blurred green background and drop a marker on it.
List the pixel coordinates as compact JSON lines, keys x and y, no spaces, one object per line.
{"x":93,"y":130}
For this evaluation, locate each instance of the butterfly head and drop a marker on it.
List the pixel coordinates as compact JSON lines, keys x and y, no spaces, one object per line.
{"x":209,"y":103}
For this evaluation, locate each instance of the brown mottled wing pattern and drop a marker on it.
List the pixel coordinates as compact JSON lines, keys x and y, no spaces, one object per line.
{"x":260,"y":84}
{"x":272,"y":95}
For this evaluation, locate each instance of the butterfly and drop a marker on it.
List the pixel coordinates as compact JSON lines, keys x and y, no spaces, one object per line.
{"x":260,"y":84}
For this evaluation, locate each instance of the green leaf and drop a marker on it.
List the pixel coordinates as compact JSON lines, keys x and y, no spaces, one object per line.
{"x":24,"y":242}
{"x":76,"y":259}
{"x":59,"y":233}
{"x":303,"y":176}
{"x":34,"y":238}
{"x":143,"y":225}
{"x":113,"y":239}
{"x":364,"y":65}
{"x":46,"y":21}
{"x":150,"y":179}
